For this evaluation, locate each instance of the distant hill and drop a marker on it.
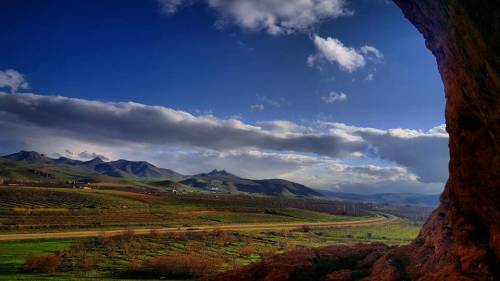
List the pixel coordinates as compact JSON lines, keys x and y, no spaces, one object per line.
{"x":28,"y":156}
{"x":123,"y":168}
{"x":222,"y":181}
{"x":426,"y":200}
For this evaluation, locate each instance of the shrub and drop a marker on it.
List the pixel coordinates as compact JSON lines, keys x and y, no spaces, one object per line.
{"x":185,"y":266}
{"x":178,"y":266}
{"x":246,"y":251}
{"x":226,"y":238}
{"x":88,"y":263}
{"x":267,"y":252}
{"x":43,"y":264}
{"x":135,"y":265}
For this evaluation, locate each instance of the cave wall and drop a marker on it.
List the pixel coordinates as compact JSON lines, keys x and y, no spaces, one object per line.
{"x":461,"y":240}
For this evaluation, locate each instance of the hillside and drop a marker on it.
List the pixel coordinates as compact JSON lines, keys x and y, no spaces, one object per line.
{"x":222,"y":181}
{"x":33,"y":166}
{"x":117,"y":169}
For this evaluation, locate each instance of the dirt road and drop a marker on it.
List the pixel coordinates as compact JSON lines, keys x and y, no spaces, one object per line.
{"x":228,"y":227}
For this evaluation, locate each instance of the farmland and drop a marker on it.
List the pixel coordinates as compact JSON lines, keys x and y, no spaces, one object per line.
{"x":25,"y":209}
{"x":137,"y":236}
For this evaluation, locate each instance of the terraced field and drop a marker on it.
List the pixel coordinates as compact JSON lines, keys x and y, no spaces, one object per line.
{"x":49,"y":198}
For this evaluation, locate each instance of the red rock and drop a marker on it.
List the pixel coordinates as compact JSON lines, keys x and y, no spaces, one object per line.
{"x":340,"y":275}
{"x":461,"y":240}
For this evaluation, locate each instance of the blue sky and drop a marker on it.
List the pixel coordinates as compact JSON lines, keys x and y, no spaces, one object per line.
{"x":367,"y":68}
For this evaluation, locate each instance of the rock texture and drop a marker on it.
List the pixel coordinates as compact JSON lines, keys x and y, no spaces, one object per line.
{"x":461,"y":239}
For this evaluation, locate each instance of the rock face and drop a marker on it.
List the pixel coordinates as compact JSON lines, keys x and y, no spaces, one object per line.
{"x":461,"y":239}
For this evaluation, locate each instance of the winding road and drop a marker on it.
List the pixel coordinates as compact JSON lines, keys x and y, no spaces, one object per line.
{"x":378,"y":220}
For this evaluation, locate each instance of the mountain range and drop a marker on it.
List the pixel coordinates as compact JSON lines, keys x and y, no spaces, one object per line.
{"x":33,"y":166}
{"x":36,"y":167}
{"x":120,"y":168}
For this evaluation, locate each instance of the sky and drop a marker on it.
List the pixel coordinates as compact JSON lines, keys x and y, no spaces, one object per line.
{"x":335,"y":94}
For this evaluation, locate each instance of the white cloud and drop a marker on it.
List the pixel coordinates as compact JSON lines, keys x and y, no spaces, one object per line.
{"x":425,"y":153}
{"x":13,"y":80}
{"x":333,"y":97}
{"x":279,"y":16}
{"x":369,"y":77}
{"x":276,"y":17}
{"x":334,"y":51}
{"x":328,"y":174}
{"x":129,"y":122}
{"x":284,"y":127}
{"x":372,"y":53}
{"x":257,"y":107}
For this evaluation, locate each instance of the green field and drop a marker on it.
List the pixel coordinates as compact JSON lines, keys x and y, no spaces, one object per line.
{"x":114,"y":255}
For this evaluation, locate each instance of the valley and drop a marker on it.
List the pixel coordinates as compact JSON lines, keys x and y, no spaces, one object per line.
{"x":64,"y":219}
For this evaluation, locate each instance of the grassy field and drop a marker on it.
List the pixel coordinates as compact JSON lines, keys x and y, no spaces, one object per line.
{"x":105,"y":258}
{"x":25,"y":209}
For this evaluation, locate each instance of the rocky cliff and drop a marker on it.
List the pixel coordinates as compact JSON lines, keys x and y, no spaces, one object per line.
{"x":461,"y":240}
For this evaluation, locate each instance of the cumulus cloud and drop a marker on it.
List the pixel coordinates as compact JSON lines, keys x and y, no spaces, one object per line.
{"x":13,"y":80}
{"x":137,"y":123}
{"x":333,"y":51}
{"x":425,"y":153}
{"x":284,"y":127}
{"x":276,"y":17}
{"x":330,"y":174}
{"x":333,"y":97}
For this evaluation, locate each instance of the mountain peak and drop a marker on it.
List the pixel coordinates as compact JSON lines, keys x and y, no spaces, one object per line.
{"x":97,"y":160}
{"x":29,"y":156}
{"x":219,"y":173}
